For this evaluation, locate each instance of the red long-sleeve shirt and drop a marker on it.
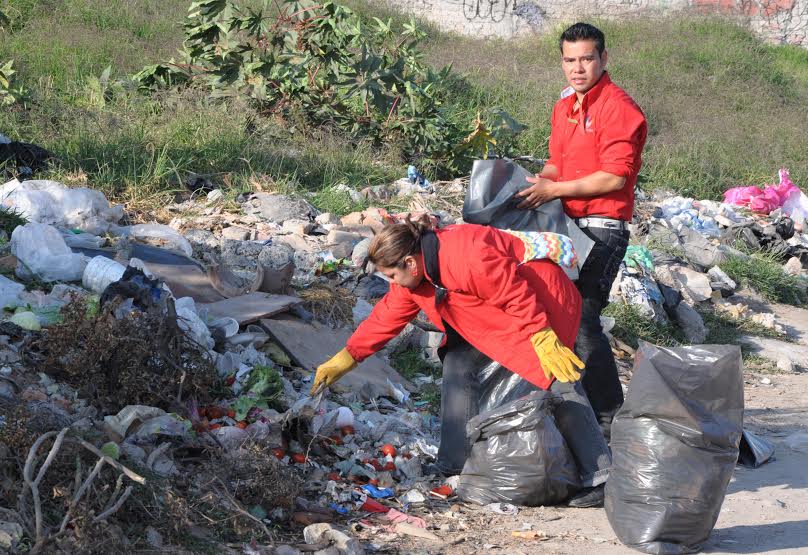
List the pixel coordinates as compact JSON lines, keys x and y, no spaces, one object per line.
{"x":607,"y":133}
{"x":494,"y":302}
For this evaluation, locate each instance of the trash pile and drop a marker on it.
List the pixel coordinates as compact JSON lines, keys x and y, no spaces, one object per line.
{"x":674,"y":271}
{"x":159,"y":374}
{"x":174,"y":363}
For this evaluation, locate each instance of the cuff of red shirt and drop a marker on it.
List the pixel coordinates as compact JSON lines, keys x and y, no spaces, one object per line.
{"x":618,"y":169}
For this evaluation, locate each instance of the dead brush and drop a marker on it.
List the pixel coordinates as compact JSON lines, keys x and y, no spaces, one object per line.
{"x":217,"y":497}
{"x":67,"y":490}
{"x":329,"y":304}
{"x":142,"y":358}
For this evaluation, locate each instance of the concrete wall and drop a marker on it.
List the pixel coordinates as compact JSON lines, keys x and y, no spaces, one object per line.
{"x":777,"y":21}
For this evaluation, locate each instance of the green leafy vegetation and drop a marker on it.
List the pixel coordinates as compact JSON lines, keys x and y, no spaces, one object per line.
{"x":766,"y":276}
{"x":631,"y":326}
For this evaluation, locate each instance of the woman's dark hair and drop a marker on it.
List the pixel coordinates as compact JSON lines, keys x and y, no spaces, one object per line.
{"x":583,"y":31}
{"x":397,"y":241}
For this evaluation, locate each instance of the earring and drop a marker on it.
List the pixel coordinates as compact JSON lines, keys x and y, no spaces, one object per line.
{"x":415,"y":273}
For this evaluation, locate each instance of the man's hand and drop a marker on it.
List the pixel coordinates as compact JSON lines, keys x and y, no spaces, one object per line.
{"x":542,"y":190}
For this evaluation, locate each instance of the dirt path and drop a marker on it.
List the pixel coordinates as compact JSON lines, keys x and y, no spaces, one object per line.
{"x":766,"y":509}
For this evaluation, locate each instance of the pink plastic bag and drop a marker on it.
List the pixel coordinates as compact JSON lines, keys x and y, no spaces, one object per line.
{"x":766,"y":200}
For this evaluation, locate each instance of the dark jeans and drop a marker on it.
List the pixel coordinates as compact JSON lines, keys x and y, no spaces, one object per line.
{"x":600,"y":380}
{"x":460,"y":401}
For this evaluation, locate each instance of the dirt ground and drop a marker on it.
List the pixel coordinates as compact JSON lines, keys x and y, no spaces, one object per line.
{"x":765,"y":510}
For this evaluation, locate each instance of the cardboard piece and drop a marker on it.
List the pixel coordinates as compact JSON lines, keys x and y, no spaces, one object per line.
{"x":250,"y":308}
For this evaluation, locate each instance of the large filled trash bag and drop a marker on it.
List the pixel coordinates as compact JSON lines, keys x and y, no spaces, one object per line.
{"x":490,"y":200}
{"x":518,"y":456}
{"x":674,"y":446}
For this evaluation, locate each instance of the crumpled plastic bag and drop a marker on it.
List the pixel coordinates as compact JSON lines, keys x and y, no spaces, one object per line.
{"x":518,"y":456}
{"x":161,"y":235}
{"x":190,"y":322}
{"x":765,"y":200}
{"x":675,"y":444}
{"x":50,"y":202}
{"x":42,"y":252}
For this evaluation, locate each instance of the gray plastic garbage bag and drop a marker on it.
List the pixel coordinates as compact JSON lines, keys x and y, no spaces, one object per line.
{"x":490,"y":201}
{"x":518,"y":456}
{"x":499,"y":386}
{"x":674,"y":446}
{"x":755,"y":451}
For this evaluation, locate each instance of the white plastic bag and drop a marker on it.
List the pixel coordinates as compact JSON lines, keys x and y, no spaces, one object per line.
{"x":161,"y":235}
{"x":190,"y":322}
{"x":50,"y":202}
{"x":41,"y":251}
{"x":10,"y":292}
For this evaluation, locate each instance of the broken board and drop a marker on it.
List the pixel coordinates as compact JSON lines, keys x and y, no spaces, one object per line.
{"x":311,"y":345}
{"x":250,"y":308}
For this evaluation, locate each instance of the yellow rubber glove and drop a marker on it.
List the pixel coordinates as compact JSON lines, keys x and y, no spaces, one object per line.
{"x":556,"y":359}
{"x":332,"y":370}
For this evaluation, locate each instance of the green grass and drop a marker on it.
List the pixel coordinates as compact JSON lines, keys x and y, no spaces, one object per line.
{"x":723,"y":330}
{"x":410,"y":363}
{"x":631,"y":327}
{"x":766,"y":276}
{"x":723,"y":108}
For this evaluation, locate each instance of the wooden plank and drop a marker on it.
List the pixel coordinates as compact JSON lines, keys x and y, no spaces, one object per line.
{"x":311,"y":345}
{"x":247,"y":309}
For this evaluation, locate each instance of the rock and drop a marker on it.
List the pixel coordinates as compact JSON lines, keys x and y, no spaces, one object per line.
{"x":694,"y":286}
{"x":153,"y":537}
{"x":287,"y":550}
{"x":342,"y":243}
{"x":10,"y":535}
{"x":240,"y":254}
{"x":202,"y":242}
{"x":365,"y":231}
{"x":328,"y":551}
{"x":793,"y":267}
{"x":276,"y":256}
{"x":215,"y":195}
{"x":279,"y":208}
{"x":691,"y":323}
{"x":361,"y":311}
{"x":671,"y":297}
{"x":236,"y":233}
{"x":373,"y":217}
{"x":359,"y":256}
{"x":298,"y":227}
{"x":720,"y":281}
{"x":323,"y":532}
{"x":327,"y":218}
{"x":785,"y":365}
{"x":372,"y":287}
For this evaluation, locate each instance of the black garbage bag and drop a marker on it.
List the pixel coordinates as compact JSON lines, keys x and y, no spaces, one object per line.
{"x":490,"y":201}
{"x":754,"y":450}
{"x":518,"y":456}
{"x":674,"y":446}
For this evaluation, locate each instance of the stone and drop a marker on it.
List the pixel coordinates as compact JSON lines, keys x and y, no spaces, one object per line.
{"x":693,"y":285}
{"x":240,"y":254}
{"x":359,"y":256}
{"x":279,"y":208}
{"x":202,"y":240}
{"x":720,"y":277}
{"x":365,"y":231}
{"x":793,"y":267}
{"x":691,"y":323}
{"x":372,"y":217}
{"x":298,"y":227}
{"x":236,"y":233}
{"x":215,"y":195}
{"x":287,"y":550}
{"x":327,"y":218}
{"x":785,"y":365}
{"x":342,"y":243}
{"x":10,"y":534}
{"x":276,"y":256}
{"x":153,"y":537}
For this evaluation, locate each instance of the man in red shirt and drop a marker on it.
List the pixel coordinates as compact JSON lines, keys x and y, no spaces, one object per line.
{"x":596,"y":142}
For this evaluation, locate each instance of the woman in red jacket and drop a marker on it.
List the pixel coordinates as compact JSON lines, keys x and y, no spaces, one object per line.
{"x":496,"y":294}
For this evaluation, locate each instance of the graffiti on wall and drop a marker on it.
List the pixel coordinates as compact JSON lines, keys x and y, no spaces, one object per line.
{"x":494,"y":10}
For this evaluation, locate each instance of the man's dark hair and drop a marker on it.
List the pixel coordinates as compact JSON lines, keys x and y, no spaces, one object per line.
{"x":583,"y":31}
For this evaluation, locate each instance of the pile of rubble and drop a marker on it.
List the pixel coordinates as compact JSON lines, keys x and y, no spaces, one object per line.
{"x":673,"y":272}
{"x":181,"y":353}
{"x":174,"y":363}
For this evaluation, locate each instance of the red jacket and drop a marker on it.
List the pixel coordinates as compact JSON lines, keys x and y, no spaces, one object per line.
{"x":494,"y":303}
{"x":608,"y":134}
